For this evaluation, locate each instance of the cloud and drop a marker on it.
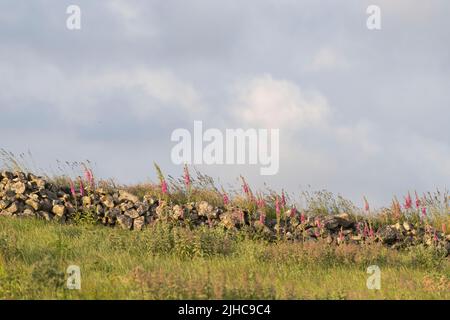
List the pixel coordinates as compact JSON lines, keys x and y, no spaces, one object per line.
{"x":327,"y":59}
{"x":269,"y":103}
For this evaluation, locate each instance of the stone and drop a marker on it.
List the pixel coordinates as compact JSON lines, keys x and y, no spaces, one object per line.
{"x":336,"y":222}
{"x":177,"y":212}
{"x":125,"y":222}
{"x":19,"y":187}
{"x":59,"y":210}
{"x":32,"y":203}
{"x":4,"y":204}
{"x":14,"y":207}
{"x":108,"y":201}
{"x":86,"y":201}
{"x":138,"y":223}
{"x":132,"y":213}
{"x":124,"y":195}
{"x":389,"y":234}
{"x":205,"y":209}
{"x":46,"y":215}
{"x":406,"y":226}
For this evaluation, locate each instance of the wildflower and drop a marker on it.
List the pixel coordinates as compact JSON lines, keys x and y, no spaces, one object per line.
{"x":162,"y":180}
{"x":435,"y":237}
{"x":187,"y":177}
{"x":424,"y":212}
{"x":226,"y":201}
{"x":366,"y":204}
{"x":366,"y":230}
{"x":81,"y":187}
{"x":277,"y":206}
{"x":417,"y":200}
{"x":283,"y":199}
{"x":341,"y":236}
{"x":293,"y":211}
{"x":164,"y":187}
{"x":262,"y":218}
{"x":444,"y":228}
{"x":245,"y":186}
{"x":371,"y":232}
{"x":318,"y":223}
{"x":302,"y":218}
{"x":408,"y":201}
{"x":72,"y":189}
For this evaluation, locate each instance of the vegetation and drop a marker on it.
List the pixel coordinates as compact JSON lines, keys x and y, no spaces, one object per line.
{"x":169,"y":262}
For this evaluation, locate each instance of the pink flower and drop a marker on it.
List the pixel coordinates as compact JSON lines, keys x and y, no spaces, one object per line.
{"x":226,"y":201}
{"x":424,"y":212}
{"x":277,"y":206}
{"x":283,"y":199}
{"x":293,"y":211}
{"x":72,"y":189}
{"x":417,"y":200}
{"x":444,"y":228}
{"x":262,"y":218}
{"x":302,"y":218}
{"x":435,"y":237}
{"x":318,"y":223}
{"x":408,"y":201}
{"x":366,"y":204}
{"x":164,"y":187}
{"x":187,"y":177}
{"x":371,"y":233}
{"x":81,"y":187}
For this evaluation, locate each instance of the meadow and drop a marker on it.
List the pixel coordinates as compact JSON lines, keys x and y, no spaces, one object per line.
{"x":169,"y":262}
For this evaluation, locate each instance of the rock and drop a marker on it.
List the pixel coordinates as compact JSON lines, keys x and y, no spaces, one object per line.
{"x":177,"y":212}
{"x":108,"y":201}
{"x":46,"y":215}
{"x":59,"y":210}
{"x":389,"y":234}
{"x":14,"y":207}
{"x":7,"y":175}
{"x":125,"y":222}
{"x":4,"y":204}
{"x":124,"y":195}
{"x":132,"y":213}
{"x":19,"y":187}
{"x":32,"y":203}
{"x":113,"y":213}
{"x":336,"y":222}
{"x":138,"y":223}
{"x":406,"y":226}
{"x":86,"y":201}
{"x":205,"y":209}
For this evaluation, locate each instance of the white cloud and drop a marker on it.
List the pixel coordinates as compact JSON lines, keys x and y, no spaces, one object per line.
{"x":265,"y":102}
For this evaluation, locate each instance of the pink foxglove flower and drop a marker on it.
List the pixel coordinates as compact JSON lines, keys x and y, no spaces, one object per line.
{"x":164,"y":187}
{"x":424,"y":212}
{"x":371,"y":232}
{"x":277,"y":206}
{"x":72,"y":189}
{"x":262,"y":218}
{"x":302,"y":218}
{"x":417,"y":200}
{"x":293,"y":211}
{"x":283,"y":199}
{"x":226,"y":201}
{"x":366,"y":204}
{"x":408,"y":201}
{"x":81,"y":187}
{"x":187,"y":177}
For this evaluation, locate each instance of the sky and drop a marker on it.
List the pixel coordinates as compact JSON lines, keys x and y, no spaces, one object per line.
{"x":360,"y":112}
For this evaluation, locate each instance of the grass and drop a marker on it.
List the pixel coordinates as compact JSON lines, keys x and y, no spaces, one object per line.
{"x":169,"y":262}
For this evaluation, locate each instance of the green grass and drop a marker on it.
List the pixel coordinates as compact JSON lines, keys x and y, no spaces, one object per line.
{"x":166,"y":262}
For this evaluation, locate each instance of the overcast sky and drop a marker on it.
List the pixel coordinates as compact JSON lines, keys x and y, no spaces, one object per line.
{"x":360,"y":112}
